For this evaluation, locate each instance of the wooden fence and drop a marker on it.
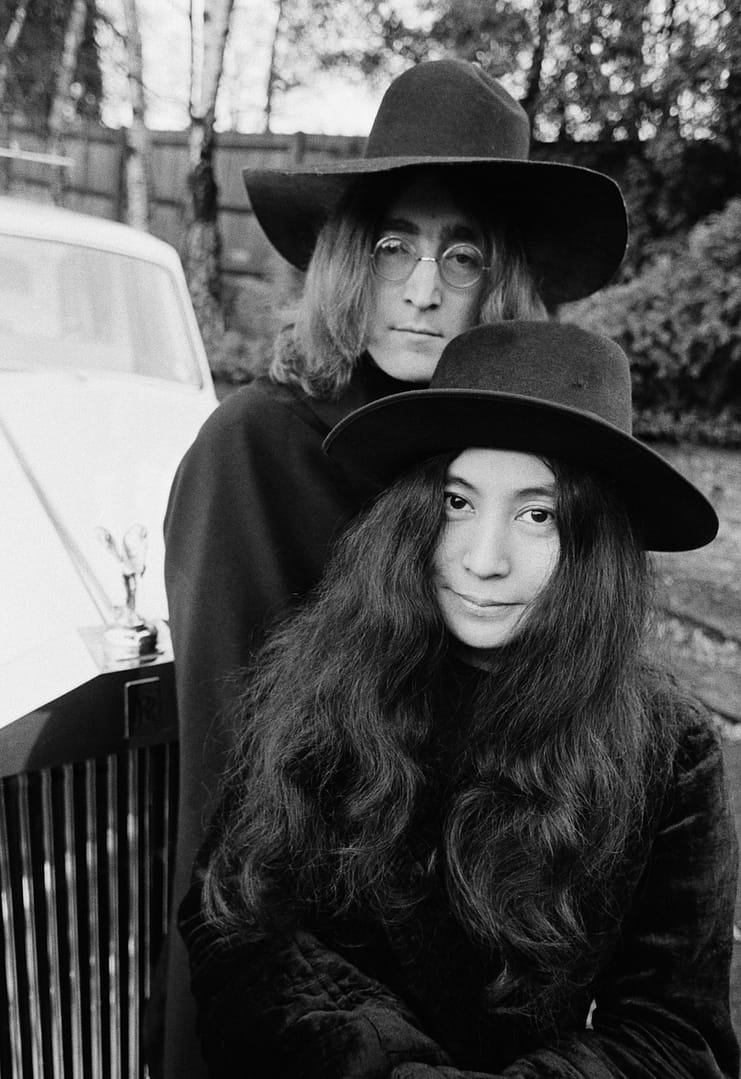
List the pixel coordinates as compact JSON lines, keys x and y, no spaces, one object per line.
{"x":94,"y":181}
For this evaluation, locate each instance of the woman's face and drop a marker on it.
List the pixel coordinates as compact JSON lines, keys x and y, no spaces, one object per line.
{"x":499,"y":545}
{"x":412,"y":321}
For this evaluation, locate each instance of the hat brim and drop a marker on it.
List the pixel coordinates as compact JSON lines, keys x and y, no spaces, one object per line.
{"x":572,"y":220}
{"x":389,"y":436}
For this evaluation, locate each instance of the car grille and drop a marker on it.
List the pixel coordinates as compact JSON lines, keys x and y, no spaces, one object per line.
{"x":84,"y":887}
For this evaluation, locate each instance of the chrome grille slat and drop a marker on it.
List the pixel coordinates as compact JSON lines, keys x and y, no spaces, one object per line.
{"x":14,"y":1063}
{"x":114,"y":952}
{"x":92,"y":877}
{"x":133,"y":818}
{"x":148,"y":853}
{"x":55,"y":987}
{"x":71,"y":849}
{"x":28,"y":909}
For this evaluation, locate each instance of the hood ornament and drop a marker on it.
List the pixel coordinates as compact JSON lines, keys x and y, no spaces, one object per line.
{"x":130,"y":637}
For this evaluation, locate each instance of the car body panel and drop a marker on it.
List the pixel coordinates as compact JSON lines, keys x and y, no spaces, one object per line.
{"x":82,"y":447}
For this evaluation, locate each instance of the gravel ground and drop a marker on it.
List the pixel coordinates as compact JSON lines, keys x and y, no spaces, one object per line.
{"x":702,"y":593}
{"x":707,"y":583}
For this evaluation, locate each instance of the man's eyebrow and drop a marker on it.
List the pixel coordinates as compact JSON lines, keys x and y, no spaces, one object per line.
{"x":457,"y":231}
{"x":400,"y":224}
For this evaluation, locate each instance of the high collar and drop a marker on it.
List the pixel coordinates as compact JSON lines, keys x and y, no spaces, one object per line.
{"x":367,"y":384}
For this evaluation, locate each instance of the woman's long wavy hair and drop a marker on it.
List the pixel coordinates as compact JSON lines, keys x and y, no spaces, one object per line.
{"x":564,"y":742}
{"x":321,"y":349}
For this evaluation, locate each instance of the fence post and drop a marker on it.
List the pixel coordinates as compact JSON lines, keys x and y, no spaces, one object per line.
{"x":121,"y":194}
{"x":298,"y":147}
{"x":6,"y":167}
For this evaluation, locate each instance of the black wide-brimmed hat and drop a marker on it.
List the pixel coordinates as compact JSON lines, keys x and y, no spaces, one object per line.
{"x":450,"y":114}
{"x":545,"y":388}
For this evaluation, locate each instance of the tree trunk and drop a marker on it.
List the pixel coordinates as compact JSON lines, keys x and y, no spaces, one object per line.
{"x":532,"y":94}
{"x":728,"y":123}
{"x":9,"y":44}
{"x":272,"y":69}
{"x":201,"y":246}
{"x":62,"y":98}
{"x":138,"y":170}
{"x":530,"y":101}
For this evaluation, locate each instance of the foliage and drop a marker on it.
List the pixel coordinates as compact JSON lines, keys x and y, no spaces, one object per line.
{"x":658,"y":79}
{"x":668,"y":184}
{"x":35,"y":60}
{"x":596,"y":69}
{"x":680,"y":324}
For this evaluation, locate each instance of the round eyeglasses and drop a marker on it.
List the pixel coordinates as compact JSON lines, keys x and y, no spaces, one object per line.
{"x":461,"y":265}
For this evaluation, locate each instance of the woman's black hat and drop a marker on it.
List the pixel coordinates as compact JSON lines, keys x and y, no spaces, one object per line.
{"x":546,"y":388}
{"x":450,"y":114}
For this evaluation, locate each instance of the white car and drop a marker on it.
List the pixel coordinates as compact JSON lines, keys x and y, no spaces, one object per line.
{"x":104,"y":383}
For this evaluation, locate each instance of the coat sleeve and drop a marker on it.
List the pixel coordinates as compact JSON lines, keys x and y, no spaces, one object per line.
{"x":287,"y":1006}
{"x":253,"y":510}
{"x":662,"y":1007}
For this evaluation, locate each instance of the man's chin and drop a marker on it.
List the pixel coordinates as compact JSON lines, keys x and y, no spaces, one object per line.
{"x":410,"y":364}
{"x":415,"y":367}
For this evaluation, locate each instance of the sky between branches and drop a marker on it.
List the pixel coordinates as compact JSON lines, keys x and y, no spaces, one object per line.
{"x":333,"y":104}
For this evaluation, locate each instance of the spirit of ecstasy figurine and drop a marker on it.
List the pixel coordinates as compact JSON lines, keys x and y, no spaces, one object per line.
{"x":130,"y":637}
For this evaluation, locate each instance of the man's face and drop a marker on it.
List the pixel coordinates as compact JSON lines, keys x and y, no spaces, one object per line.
{"x":413,"y":320}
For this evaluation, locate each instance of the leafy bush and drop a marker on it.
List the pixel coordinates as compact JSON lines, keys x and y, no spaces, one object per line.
{"x":680,"y":323}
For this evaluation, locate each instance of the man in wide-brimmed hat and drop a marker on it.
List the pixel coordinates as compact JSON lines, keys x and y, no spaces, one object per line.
{"x":442,"y":224}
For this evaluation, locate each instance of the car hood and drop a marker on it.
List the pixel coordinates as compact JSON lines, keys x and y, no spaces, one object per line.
{"x":78,"y":452}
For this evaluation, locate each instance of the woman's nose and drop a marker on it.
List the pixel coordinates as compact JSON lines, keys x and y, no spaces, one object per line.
{"x":487,"y":552}
{"x":424,"y":286}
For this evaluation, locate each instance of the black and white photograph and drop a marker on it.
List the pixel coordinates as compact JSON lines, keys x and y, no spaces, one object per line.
{"x":370,"y":557}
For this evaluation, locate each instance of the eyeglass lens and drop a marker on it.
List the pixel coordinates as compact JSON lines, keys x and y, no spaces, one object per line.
{"x":461,"y":265}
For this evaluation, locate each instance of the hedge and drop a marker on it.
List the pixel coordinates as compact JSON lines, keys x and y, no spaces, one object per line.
{"x":680,"y":324}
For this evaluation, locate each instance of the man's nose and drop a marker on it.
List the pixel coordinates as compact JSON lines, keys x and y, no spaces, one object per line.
{"x":424,"y":286}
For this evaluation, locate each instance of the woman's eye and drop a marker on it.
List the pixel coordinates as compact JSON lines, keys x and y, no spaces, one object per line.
{"x":455,"y":503}
{"x":538,"y":515}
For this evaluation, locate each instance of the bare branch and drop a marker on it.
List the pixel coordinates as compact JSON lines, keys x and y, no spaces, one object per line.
{"x":9,"y":44}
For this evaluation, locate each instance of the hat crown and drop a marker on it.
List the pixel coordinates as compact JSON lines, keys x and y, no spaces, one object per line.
{"x":556,"y":363}
{"x":449,"y":108}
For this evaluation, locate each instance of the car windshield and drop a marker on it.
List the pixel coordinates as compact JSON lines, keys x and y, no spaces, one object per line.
{"x":66,"y":307}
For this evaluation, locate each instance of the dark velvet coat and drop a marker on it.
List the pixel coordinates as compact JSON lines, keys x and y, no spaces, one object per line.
{"x":355,"y":1001}
{"x":253,"y":511}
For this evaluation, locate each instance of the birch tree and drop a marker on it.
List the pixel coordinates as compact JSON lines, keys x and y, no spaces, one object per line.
{"x":62,"y":90}
{"x":9,"y":43}
{"x":274,"y":80}
{"x":138,"y":171}
{"x":201,"y":246}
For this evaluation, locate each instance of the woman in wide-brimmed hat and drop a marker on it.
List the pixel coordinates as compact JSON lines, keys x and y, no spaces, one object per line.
{"x":471,"y":827}
{"x":443,"y":223}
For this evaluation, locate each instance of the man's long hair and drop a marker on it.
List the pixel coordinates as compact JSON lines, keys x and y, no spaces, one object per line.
{"x":563,"y":741}
{"x":322,"y":348}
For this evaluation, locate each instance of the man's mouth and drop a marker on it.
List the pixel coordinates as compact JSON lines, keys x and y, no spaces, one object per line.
{"x":416,"y":330}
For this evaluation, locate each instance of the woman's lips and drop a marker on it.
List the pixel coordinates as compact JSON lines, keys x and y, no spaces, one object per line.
{"x":478,"y":603}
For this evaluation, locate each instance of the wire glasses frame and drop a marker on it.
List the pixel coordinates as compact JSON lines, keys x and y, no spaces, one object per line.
{"x":461,"y":265}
